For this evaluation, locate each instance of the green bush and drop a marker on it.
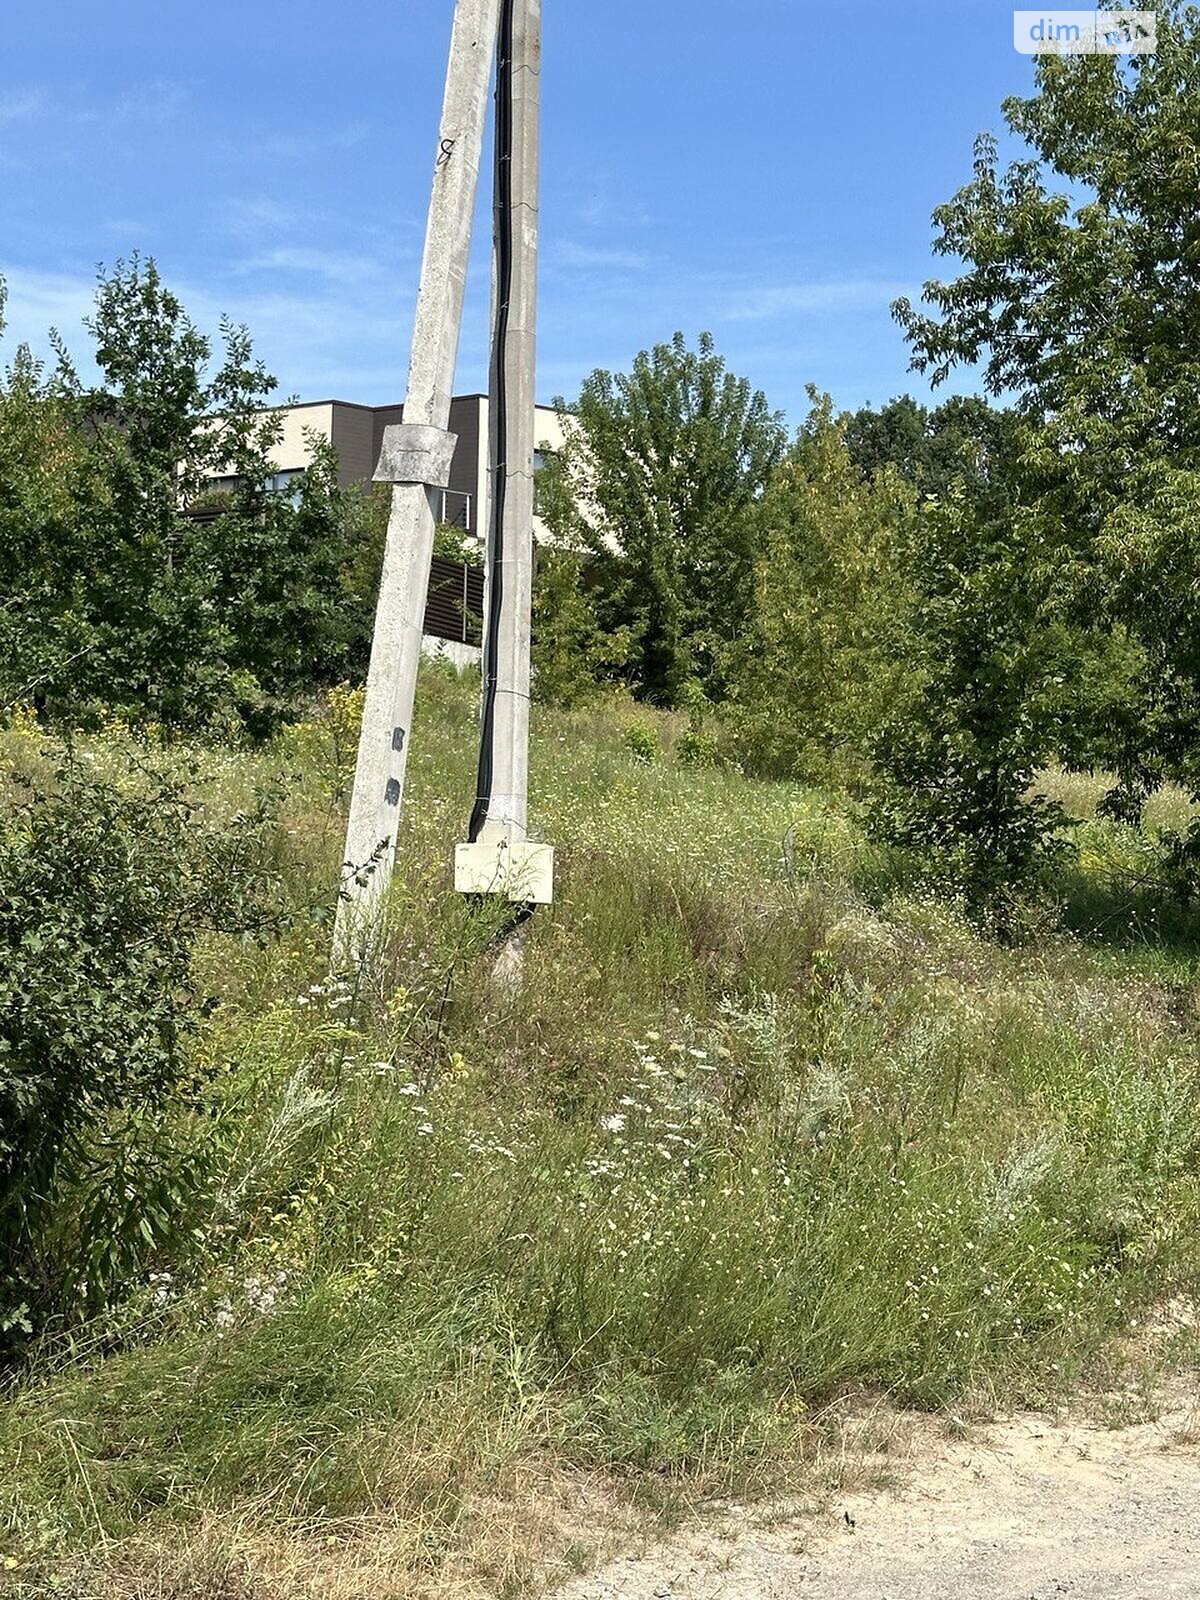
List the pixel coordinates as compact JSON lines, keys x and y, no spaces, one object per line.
{"x":453,"y":543}
{"x":641,"y":741}
{"x":104,"y":888}
{"x":573,"y":658}
{"x":698,"y":747}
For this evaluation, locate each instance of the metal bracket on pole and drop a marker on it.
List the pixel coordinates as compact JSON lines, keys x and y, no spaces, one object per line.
{"x":414,"y":452}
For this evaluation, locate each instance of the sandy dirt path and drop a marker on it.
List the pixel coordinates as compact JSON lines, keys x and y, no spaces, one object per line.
{"x":1025,"y":1509}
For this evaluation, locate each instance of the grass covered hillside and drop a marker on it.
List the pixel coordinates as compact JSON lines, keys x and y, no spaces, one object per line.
{"x":767,"y":1124}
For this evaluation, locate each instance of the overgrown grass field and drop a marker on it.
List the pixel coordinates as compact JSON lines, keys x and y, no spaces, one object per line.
{"x":764,"y":1124}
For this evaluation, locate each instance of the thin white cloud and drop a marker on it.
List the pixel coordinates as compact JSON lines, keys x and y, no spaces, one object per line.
{"x":22,"y":105}
{"x":319,"y":341}
{"x":300,"y":146}
{"x":338,"y":266}
{"x":130,"y":231}
{"x":155,"y":102}
{"x":586,"y":257}
{"x":39,"y":301}
{"x":760,"y":303}
{"x":262,"y":215}
{"x":609,"y":206}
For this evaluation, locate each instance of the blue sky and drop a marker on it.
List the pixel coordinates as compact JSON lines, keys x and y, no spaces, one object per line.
{"x":765,"y":169}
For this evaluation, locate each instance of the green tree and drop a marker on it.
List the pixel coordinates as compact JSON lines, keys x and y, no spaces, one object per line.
{"x":572,"y":655}
{"x":127,"y":582}
{"x":964,"y":441}
{"x":291,"y":608}
{"x":994,"y":667}
{"x":1081,"y":293}
{"x":54,"y":512}
{"x":661,"y":468}
{"x":820,"y":662}
{"x":896,"y":435}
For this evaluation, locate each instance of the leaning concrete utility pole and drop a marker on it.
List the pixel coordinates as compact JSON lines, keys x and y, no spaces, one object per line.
{"x":416,"y":461}
{"x":499,"y":858}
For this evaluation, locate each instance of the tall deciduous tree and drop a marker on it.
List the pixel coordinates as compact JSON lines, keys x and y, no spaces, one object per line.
{"x":661,"y":466}
{"x":820,"y":663}
{"x":964,"y":442}
{"x":1081,"y":293}
{"x":115,"y":593}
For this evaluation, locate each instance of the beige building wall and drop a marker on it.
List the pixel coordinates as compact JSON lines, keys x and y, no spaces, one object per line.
{"x":551,"y":436}
{"x":548,"y":432}
{"x":293,"y":449}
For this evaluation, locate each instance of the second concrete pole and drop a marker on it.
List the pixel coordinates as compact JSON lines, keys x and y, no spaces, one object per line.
{"x":502,"y":806}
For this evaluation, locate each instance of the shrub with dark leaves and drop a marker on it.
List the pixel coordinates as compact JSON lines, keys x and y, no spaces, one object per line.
{"x":104,"y":888}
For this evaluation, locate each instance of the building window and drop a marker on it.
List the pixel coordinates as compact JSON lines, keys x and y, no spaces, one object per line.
{"x":285,"y":483}
{"x":221,"y":485}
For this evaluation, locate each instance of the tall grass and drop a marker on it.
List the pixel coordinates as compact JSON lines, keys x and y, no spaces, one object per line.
{"x":748,"y":1137}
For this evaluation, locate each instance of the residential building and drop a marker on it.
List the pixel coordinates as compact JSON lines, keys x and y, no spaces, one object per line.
{"x":356,"y":433}
{"x":453,"y":615}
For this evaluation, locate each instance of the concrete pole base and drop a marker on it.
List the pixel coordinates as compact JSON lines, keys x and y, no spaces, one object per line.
{"x":508,"y":969}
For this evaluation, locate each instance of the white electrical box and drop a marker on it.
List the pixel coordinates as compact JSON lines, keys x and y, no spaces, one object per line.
{"x":522,"y":873}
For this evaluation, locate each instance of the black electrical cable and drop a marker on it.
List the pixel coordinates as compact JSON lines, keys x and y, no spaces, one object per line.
{"x":499,"y":421}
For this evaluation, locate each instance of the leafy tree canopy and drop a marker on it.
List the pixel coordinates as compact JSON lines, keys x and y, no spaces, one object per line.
{"x":965,"y":440}
{"x":127,"y":583}
{"x":661,"y":467}
{"x":821,"y":658}
{"x":1080,"y":294}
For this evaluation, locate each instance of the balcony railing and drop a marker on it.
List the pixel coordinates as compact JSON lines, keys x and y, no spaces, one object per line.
{"x":457,"y":509}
